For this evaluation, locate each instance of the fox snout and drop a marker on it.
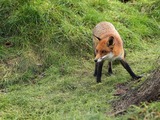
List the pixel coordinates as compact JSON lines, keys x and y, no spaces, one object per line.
{"x":95,"y":60}
{"x":98,"y":59}
{"x":97,"y":56}
{"x":109,"y":56}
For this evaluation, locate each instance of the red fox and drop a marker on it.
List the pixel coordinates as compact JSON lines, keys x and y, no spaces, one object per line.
{"x":108,"y":45}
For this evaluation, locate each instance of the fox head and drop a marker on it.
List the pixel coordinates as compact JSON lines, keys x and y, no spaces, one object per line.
{"x":104,"y":49}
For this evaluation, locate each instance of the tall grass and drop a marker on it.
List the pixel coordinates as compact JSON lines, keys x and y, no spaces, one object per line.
{"x":51,"y":45}
{"x":45,"y":33}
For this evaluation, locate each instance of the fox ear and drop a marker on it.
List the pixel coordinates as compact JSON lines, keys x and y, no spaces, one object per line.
{"x":97,"y":37}
{"x":110,"y":41}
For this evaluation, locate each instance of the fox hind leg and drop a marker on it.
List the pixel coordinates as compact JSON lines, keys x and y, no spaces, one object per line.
{"x":129,"y":70}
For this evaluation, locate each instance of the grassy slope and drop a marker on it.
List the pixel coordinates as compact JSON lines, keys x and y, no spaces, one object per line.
{"x":48,"y":73}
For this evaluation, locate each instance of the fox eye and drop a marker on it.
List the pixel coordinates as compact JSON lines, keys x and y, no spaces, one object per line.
{"x":104,"y":51}
{"x":96,"y":51}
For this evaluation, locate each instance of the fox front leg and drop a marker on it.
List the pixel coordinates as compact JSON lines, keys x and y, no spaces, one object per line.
{"x":99,"y":71}
{"x":95,"y":70}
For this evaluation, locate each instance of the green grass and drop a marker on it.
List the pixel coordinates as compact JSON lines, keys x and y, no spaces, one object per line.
{"x":48,"y":72}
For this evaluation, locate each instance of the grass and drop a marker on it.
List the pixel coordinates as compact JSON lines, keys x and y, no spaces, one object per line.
{"x":47,"y":72}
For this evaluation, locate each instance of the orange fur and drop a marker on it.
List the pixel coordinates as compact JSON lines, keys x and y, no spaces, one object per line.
{"x":104,"y":31}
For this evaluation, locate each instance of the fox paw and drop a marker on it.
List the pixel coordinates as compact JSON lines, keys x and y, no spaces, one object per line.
{"x":137,"y":77}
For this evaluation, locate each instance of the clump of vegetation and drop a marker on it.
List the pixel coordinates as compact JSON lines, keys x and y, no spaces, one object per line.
{"x":47,"y":57}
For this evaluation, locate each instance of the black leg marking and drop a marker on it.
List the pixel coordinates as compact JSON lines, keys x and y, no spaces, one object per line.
{"x":95,"y":71}
{"x":125,"y":54}
{"x":127,"y":67}
{"x":110,"y":68}
{"x":99,"y":71}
